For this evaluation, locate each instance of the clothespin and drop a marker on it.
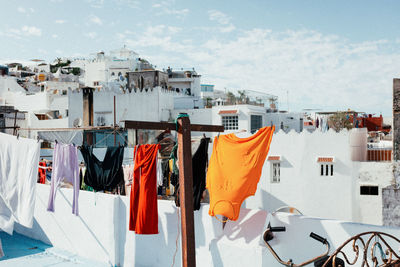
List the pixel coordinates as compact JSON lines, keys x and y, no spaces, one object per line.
{"x":17,"y":135}
{"x":38,"y":139}
{"x":56,"y":141}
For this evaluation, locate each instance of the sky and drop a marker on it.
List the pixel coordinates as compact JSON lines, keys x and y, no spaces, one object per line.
{"x":323,"y":55}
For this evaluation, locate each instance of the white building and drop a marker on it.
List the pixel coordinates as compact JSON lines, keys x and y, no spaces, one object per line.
{"x":323,"y":175}
{"x":244,"y":117}
{"x":104,"y":68}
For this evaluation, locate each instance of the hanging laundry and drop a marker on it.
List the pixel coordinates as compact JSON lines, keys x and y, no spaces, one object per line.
{"x":199,"y":165}
{"x":19,"y":160}
{"x":160,"y":175}
{"x":128,"y":176}
{"x":235,"y":169}
{"x":65,"y":169}
{"x":106,"y":174}
{"x":42,"y":172}
{"x":49,"y":171}
{"x":143,"y":215}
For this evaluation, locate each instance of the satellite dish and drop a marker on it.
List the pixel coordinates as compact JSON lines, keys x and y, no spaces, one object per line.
{"x":77,"y":122}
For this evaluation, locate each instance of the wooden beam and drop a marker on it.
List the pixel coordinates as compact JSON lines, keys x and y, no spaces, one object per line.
{"x":186,"y":192}
{"x":171,"y":126}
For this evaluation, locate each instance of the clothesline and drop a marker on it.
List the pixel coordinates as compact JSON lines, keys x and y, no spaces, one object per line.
{"x":73,"y":129}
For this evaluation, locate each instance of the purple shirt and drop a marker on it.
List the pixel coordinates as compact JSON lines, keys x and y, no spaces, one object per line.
{"x":65,"y":168}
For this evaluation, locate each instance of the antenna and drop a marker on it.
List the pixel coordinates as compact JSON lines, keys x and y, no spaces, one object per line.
{"x":287,"y":98}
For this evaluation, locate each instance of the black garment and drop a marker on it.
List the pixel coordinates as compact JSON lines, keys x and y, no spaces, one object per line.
{"x":199,"y":164}
{"x":104,"y":175}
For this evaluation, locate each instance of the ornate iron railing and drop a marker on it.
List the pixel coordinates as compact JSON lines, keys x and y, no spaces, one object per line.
{"x":375,"y":251}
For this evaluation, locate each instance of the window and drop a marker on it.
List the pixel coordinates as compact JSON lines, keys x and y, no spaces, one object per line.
{"x":230,"y":122}
{"x":326,"y":170}
{"x":369,"y":190}
{"x":96,"y":83}
{"x":255,"y":123}
{"x":275,"y":172}
{"x":64,"y":92}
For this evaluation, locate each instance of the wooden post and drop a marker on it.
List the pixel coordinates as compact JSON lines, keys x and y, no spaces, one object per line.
{"x":186,"y":192}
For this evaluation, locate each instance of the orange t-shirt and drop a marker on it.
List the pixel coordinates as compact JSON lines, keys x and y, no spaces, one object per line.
{"x":235,"y":169}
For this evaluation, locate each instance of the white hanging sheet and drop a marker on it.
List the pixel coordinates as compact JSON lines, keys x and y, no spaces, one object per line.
{"x":19,"y":160}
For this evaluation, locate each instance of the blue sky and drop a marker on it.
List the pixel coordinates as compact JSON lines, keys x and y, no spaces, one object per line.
{"x":328,"y":55}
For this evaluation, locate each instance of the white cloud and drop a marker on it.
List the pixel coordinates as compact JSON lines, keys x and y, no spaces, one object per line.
{"x":218,"y":16}
{"x":95,"y":20}
{"x":91,"y":35}
{"x":96,"y":3}
{"x":128,"y":3}
{"x":21,"y":10}
{"x":222,"y":19}
{"x":55,"y":36}
{"x":167,"y":8}
{"x":25,"y":10}
{"x":31,"y":30}
{"x":25,"y":31}
{"x":157,"y":36}
{"x":60,"y":21}
{"x":318,"y":70}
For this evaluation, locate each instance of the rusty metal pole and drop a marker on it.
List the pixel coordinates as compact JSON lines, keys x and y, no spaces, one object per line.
{"x":15,"y":123}
{"x":186,"y":192}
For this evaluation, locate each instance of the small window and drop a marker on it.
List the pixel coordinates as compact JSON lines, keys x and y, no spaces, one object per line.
{"x":64,"y":92}
{"x":275,"y":172}
{"x":369,"y":190}
{"x":96,"y":83}
{"x":326,"y":170}
{"x":255,"y":122}
{"x":230,"y":122}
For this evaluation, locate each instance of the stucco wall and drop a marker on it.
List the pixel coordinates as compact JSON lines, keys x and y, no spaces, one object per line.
{"x":370,"y":206}
{"x":301,"y":185}
{"x":153,"y":105}
{"x":101,"y":233}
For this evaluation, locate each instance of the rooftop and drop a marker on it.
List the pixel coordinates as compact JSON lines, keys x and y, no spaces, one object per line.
{"x":20,"y":250}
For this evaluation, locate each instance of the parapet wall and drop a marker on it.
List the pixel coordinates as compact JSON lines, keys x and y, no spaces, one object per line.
{"x":100,"y":232}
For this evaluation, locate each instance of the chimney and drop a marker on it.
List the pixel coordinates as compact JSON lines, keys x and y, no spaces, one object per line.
{"x":396,"y":119}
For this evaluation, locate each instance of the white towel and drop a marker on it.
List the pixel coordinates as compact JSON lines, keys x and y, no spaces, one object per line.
{"x":19,"y":160}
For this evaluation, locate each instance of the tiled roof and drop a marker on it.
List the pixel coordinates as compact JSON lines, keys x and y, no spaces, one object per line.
{"x":233,"y":111}
{"x":325,"y":159}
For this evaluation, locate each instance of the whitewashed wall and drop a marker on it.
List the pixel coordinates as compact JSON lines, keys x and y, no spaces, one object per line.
{"x":155,"y":105}
{"x":302,"y":186}
{"x":101,"y":233}
{"x":370,"y":206}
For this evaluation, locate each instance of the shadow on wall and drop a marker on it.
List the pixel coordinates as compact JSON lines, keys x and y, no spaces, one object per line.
{"x":39,"y":234}
{"x":270,"y":202}
{"x":341,"y":168}
{"x":120,"y":219}
{"x":16,"y":246}
{"x":248,"y":228}
{"x":88,"y":229}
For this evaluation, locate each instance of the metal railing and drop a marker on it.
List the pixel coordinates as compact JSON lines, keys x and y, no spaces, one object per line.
{"x":386,"y":256}
{"x":379,"y":154}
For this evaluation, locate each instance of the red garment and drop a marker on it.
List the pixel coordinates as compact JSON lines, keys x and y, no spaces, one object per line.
{"x":143,"y":215}
{"x":42,"y":172}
